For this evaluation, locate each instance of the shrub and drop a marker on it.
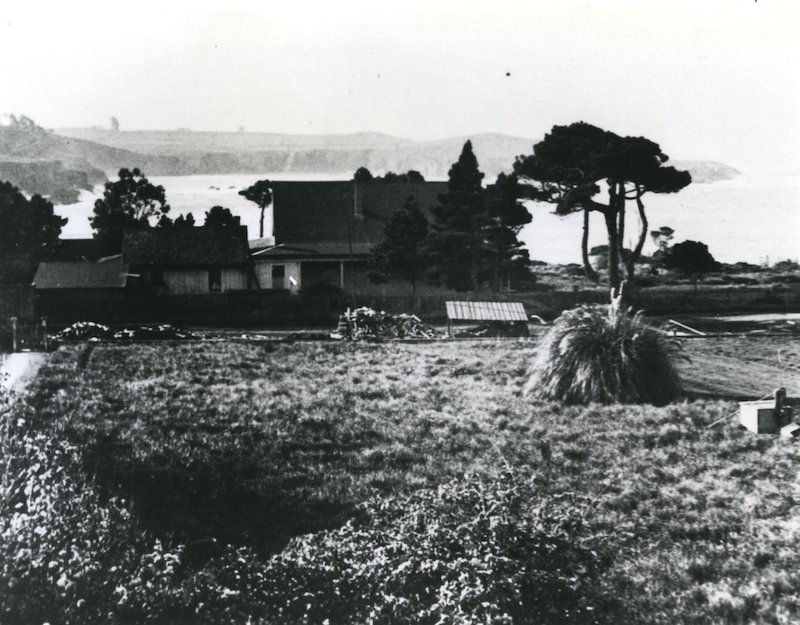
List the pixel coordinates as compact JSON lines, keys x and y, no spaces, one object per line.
{"x":604,"y":354}
{"x":472,"y":551}
{"x":65,"y":556}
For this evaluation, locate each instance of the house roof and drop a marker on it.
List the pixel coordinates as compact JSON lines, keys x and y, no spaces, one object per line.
{"x":312,"y":250}
{"x":260,"y":244}
{"x":339,"y":213}
{"x":80,"y":275}
{"x":186,"y":246}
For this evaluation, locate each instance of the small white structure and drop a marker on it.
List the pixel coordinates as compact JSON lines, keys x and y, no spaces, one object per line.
{"x":759,"y":416}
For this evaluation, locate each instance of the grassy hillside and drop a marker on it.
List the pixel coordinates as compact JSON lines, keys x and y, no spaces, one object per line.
{"x":253,"y":152}
{"x":250,"y":444}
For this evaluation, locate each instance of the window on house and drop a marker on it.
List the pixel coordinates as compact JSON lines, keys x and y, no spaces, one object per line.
{"x":278,"y":276}
{"x":214,"y":279}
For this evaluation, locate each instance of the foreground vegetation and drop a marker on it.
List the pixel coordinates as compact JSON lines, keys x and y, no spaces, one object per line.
{"x":156,"y":483}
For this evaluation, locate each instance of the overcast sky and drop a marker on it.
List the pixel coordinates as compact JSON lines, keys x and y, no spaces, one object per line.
{"x":711,"y":79}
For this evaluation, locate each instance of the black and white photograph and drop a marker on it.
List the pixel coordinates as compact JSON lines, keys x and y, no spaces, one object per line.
{"x":415,"y":313}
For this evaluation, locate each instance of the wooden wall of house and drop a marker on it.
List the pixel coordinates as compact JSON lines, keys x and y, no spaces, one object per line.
{"x":263,"y":271}
{"x":186,"y":281}
{"x":234,"y":279}
{"x":196,"y":281}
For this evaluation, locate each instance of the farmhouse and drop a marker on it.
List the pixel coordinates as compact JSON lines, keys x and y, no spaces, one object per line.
{"x":187,"y":261}
{"x":323,"y":232}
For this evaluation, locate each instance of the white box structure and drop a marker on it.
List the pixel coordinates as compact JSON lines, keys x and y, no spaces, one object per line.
{"x":759,"y":416}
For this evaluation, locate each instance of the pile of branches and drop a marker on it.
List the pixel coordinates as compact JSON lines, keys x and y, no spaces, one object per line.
{"x":91,"y":331}
{"x":368,"y":324}
{"x":85,"y":331}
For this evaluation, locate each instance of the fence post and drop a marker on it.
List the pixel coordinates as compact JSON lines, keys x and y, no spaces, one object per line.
{"x":13,"y":334}
{"x":44,"y":332}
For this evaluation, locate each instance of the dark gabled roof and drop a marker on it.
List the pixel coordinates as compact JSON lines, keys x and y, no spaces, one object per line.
{"x":186,"y":246}
{"x":81,"y":275}
{"x":312,"y":213}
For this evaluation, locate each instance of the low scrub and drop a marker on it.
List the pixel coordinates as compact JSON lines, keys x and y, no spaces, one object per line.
{"x":472,"y":551}
{"x":604,"y":354}
{"x":62,"y":553}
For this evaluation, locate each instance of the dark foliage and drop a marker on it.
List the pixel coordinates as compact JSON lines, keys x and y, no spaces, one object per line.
{"x":400,"y":254}
{"x":28,"y":227}
{"x":128,"y":203}
{"x":364,"y":175}
{"x":221,"y":217}
{"x":691,"y":258}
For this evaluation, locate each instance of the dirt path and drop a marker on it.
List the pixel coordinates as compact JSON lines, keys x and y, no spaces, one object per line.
{"x":17,"y":369}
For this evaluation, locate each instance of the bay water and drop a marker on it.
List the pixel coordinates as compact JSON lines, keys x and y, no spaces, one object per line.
{"x":749,"y":218}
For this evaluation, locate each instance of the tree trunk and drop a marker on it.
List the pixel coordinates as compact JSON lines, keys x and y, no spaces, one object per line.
{"x":637,"y":252}
{"x":611,"y":215}
{"x":261,"y":224}
{"x":623,"y":257}
{"x":613,"y":250}
{"x":587,"y":265}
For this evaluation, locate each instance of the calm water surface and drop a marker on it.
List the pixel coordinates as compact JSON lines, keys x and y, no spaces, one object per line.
{"x":749,"y":218}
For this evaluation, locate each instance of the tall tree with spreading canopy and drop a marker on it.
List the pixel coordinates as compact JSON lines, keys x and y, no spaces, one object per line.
{"x":457,"y":239}
{"x":28,"y":227}
{"x":568,"y":166}
{"x":260,"y":193}
{"x":401,"y":254}
{"x":128,"y":203}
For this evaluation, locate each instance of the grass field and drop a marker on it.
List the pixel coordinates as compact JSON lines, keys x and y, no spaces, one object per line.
{"x":251,"y":444}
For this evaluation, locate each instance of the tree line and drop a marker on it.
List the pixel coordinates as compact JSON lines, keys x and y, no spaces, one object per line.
{"x":472,"y":239}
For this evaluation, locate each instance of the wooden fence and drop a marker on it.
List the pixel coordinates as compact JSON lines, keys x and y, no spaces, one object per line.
{"x":280,"y":309}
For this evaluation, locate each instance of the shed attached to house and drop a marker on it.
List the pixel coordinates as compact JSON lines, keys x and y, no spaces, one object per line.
{"x":71,"y":291}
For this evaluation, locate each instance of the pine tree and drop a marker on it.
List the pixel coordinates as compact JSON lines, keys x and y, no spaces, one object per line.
{"x":457,"y":242}
{"x":261,"y":193}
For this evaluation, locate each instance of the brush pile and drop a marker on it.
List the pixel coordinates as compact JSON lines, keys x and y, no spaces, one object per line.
{"x":85,"y":331}
{"x":91,"y":331}
{"x":368,"y":324}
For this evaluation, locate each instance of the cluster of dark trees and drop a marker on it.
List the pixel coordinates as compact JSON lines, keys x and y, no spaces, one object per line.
{"x":472,"y":240}
{"x":133,"y":202}
{"x":28,"y":227}
{"x":473,"y":237}
{"x":364,"y":175}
